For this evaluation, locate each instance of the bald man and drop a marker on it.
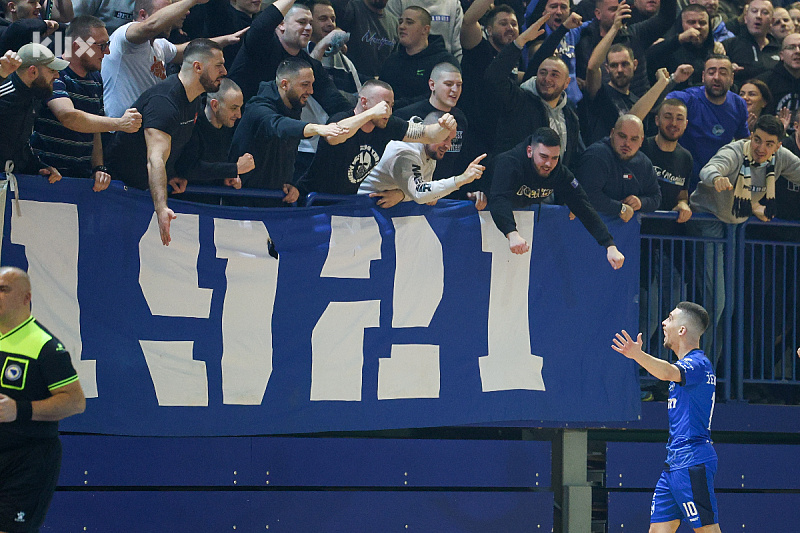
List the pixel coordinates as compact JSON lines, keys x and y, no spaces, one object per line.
{"x":38,"y":387}
{"x":616,"y":176}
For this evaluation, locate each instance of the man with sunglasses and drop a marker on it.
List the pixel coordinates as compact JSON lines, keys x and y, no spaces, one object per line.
{"x":67,"y":131}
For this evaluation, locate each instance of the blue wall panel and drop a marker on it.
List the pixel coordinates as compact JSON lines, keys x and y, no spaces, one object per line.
{"x":103,"y":461}
{"x":299,"y":511}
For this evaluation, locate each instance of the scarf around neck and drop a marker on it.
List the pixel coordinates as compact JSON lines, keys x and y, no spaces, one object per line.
{"x":742,"y":194}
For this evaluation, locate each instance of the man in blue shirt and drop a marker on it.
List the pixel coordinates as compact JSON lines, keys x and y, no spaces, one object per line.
{"x":686,"y":487}
{"x":718,"y":116}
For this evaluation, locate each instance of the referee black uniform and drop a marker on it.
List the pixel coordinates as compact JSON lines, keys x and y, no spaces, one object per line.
{"x":32,"y":364}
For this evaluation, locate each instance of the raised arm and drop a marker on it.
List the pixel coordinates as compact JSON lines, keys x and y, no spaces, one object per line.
{"x":594,"y":75}
{"x":159,"y":22}
{"x":471,"y":31}
{"x":632,"y":349}
{"x":663,"y":82}
{"x":354,"y":123}
{"x":431,"y":133}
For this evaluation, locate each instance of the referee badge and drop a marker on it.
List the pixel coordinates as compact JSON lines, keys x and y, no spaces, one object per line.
{"x":14,"y":371}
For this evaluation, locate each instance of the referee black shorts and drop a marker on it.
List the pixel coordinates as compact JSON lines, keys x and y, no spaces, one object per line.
{"x":28,"y":478}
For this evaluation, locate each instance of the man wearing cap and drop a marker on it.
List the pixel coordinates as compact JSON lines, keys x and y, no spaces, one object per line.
{"x":32,"y":81}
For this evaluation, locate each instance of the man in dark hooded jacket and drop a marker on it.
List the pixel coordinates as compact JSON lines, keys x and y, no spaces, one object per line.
{"x":271,"y":130}
{"x":408,"y":69}
{"x":689,"y":43}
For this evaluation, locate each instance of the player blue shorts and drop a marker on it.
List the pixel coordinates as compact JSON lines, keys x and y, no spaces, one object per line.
{"x":686,"y":494}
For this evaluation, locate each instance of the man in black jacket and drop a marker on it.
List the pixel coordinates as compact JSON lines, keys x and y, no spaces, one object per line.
{"x":282,"y":31}
{"x":525,"y":108}
{"x":408,"y":69}
{"x":754,"y":50}
{"x":638,"y":37}
{"x":271,"y":129}
{"x":530,"y":172}
{"x":784,"y":79}
{"x":32,"y":81}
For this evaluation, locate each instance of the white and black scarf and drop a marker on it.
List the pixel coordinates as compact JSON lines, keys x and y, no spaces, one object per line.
{"x":742,"y":194}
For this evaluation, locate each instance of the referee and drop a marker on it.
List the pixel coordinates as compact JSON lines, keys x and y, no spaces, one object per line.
{"x":38,"y":387}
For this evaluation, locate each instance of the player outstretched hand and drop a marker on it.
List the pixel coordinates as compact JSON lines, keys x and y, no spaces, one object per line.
{"x":624,"y":344}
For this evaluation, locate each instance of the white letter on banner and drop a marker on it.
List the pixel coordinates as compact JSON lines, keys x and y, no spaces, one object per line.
{"x":337,"y":349}
{"x":413,"y":371}
{"x":168,"y":274}
{"x":178,"y":379}
{"x":252,"y":276}
{"x":49,"y":232}
{"x":354,"y":243}
{"x":510,"y":364}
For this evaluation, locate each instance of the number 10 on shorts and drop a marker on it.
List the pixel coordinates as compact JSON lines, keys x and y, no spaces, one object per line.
{"x":689,"y":509}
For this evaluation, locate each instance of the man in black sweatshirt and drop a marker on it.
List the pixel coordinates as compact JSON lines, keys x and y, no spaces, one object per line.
{"x":532,"y":171}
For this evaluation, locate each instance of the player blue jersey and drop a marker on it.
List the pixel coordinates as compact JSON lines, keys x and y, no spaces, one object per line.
{"x":690,"y":407}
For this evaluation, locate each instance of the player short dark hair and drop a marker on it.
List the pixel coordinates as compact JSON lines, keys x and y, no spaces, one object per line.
{"x":492,"y":14}
{"x":443,"y":68}
{"x":673,"y":102}
{"x":696,"y":315}
{"x":545,"y":136}
{"x":771,"y":125}
{"x":289,"y":68}
{"x":426,"y":15}
{"x":200,"y":50}
{"x":82,"y":26}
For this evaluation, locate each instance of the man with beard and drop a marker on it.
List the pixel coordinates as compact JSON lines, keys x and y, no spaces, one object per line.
{"x":271,"y":130}
{"x":755,"y":50}
{"x":146,"y":159}
{"x":617,"y":177}
{"x":140,"y":52}
{"x":690,"y":44}
{"x":373,"y":33}
{"x":606,"y":102}
{"x":501,"y":27}
{"x":32,"y":81}
{"x":341,"y":167}
{"x":718,"y":115}
{"x":282,"y":31}
{"x":530,"y":172}
{"x":67,"y":131}
{"x":541,"y":101}
{"x":405,"y":172}
{"x":685,"y":490}
{"x":784,"y":79}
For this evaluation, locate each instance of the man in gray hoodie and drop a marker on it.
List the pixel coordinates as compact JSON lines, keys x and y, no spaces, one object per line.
{"x":737,"y":182}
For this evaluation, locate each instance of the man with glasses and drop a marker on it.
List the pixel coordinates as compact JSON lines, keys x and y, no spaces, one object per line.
{"x":754,"y":50}
{"x":784,"y":79}
{"x":67,"y":131}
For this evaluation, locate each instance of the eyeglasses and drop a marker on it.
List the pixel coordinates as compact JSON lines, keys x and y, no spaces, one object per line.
{"x":103,"y":46}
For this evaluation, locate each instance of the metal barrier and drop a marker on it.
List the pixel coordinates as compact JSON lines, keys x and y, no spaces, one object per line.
{"x":755,"y":329}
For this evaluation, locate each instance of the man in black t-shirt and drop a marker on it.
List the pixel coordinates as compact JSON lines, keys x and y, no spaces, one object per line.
{"x":340,"y":168}
{"x":38,"y":387}
{"x":673,"y":163}
{"x":169,"y":112}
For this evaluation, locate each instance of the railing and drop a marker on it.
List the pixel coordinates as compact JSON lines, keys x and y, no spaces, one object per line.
{"x":755,"y":335}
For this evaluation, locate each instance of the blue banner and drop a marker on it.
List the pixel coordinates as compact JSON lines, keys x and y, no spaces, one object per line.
{"x":358,"y":318}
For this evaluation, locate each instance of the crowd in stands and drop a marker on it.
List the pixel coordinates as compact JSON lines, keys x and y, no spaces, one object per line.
{"x":609,"y":107}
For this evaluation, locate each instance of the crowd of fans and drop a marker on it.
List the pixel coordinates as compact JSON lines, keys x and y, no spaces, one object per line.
{"x":689,"y":107}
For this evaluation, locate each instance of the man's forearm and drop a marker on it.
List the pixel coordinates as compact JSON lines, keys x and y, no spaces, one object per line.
{"x":157,"y":181}
{"x":97,"y":150}
{"x":83,"y":122}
